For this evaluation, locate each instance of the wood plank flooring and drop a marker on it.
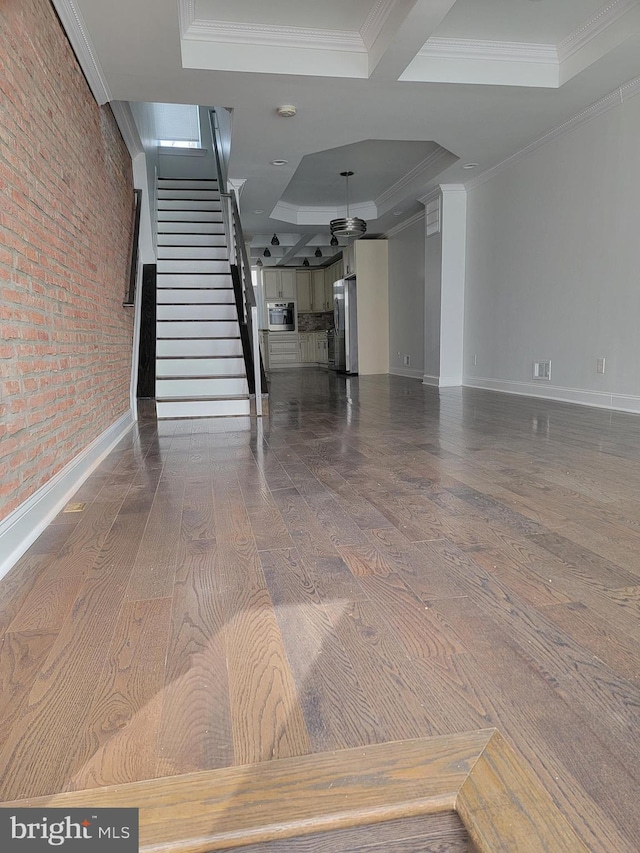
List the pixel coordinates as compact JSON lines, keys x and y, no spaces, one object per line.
{"x":378,"y":561}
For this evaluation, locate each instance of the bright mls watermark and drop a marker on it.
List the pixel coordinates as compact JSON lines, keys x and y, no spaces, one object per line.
{"x":79,"y":830}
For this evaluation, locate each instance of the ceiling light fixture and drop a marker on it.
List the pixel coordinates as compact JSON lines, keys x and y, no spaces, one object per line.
{"x":318,"y":252}
{"x":334,"y":241}
{"x":348,"y":226}
{"x":275,"y":241}
{"x":305,"y":263}
{"x":267,"y":253}
{"x":259,"y":262}
{"x":279,"y":162}
{"x":258,"y":212}
{"x":471,"y":165}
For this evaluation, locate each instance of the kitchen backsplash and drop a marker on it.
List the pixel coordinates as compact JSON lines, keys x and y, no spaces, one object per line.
{"x":315,"y":322}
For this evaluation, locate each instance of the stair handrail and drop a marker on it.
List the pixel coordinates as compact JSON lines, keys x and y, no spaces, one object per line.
{"x":238,"y":256}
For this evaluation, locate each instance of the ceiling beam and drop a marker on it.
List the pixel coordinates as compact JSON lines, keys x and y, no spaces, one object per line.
{"x":409,"y":25}
{"x":293,"y":251}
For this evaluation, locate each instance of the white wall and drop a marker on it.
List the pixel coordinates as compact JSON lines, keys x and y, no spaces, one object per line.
{"x":406,"y":300}
{"x":143,"y":116}
{"x":553,"y":267}
{"x":372,"y":266}
{"x":433,"y":285}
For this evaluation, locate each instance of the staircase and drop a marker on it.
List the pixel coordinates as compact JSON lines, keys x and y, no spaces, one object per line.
{"x":200,"y":368}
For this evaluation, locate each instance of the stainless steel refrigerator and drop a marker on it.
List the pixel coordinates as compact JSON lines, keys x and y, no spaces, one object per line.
{"x":345,"y":317}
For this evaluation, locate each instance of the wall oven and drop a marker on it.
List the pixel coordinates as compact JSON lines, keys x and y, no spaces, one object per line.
{"x":281,"y":316}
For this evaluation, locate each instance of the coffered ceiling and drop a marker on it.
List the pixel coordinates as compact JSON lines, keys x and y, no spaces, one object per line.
{"x":405,"y":91}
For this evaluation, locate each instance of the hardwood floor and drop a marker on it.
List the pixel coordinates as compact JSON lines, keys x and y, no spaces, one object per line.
{"x":379,"y":561}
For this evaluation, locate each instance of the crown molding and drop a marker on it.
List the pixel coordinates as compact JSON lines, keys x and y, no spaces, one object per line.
{"x":376,"y":20}
{"x":489,"y":51}
{"x":407,"y":223}
{"x":594,"y":27}
{"x":395,"y":193}
{"x":320,"y":215}
{"x":453,"y":188}
{"x":232,"y":32}
{"x":432,"y":195}
{"x":186,"y":14}
{"x":613,"y":99}
{"x":126,"y":122}
{"x":85,"y":52}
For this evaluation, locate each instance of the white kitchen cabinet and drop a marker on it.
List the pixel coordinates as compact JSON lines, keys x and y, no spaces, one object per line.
{"x":303,"y":291}
{"x":321,"y":353}
{"x":279,"y":284}
{"x":349,"y":259}
{"x":318,"y":297}
{"x":284,"y":349}
{"x":307,"y":347}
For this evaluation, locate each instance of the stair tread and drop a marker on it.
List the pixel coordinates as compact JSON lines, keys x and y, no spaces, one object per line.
{"x":209,"y":398}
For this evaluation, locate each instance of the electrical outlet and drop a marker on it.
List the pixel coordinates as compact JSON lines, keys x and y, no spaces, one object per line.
{"x":398,"y":355}
{"x":407,"y":361}
{"x":542,"y":370}
{"x":601,"y":365}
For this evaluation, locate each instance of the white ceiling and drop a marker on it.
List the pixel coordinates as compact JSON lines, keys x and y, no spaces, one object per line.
{"x":470,"y":87}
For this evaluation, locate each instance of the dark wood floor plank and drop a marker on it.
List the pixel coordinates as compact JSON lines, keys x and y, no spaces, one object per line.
{"x":119,"y":738}
{"x":336,"y":711}
{"x":56,"y":710}
{"x":195,"y":727}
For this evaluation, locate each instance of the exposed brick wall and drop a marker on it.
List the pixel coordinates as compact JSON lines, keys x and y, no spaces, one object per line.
{"x":65,"y":222}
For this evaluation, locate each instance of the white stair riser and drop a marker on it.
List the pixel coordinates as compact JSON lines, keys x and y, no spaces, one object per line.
{"x":193,"y":266}
{"x":195,"y":296}
{"x":216,"y":387}
{"x":167,"y":367}
{"x":186,"y":184}
{"x":217,"y":281}
{"x":206,"y":329}
{"x":177,"y":227}
{"x":189,"y":193}
{"x":206,"y":253}
{"x":187,"y":216}
{"x":198,"y":311}
{"x":199,"y":347}
{"x":203,"y":409}
{"x":187,"y":204}
{"x":217,"y":240}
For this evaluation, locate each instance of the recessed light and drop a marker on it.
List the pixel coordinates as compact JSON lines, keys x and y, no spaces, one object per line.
{"x":471,"y":165}
{"x":258,"y":212}
{"x":397,"y":213}
{"x":279,"y":162}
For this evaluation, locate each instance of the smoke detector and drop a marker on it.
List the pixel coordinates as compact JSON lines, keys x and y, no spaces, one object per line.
{"x":286,"y":111}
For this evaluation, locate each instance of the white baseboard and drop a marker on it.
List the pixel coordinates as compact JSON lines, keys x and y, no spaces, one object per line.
{"x":596,"y":399}
{"x":431,"y":380}
{"x":22,"y":527}
{"x":442,"y":381}
{"x":409,"y":372}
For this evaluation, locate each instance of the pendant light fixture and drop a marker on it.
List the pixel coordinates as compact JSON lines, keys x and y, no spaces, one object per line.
{"x":275,"y":241}
{"x":334,"y":241}
{"x":318,"y":252}
{"x":305,"y":263}
{"x":348,"y":226}
{"x":267,"y":253}
{"x":259,"y":262}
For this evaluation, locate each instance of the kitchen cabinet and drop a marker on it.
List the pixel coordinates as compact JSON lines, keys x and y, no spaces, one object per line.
{"x":284,"y":349}
{"x":304,"y":291}
{"x":349,"y":259}
{"x":318,"y":295}
{"x":321,"y":352}
{"x":279,"y":284}
{"x":307,"y":347}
